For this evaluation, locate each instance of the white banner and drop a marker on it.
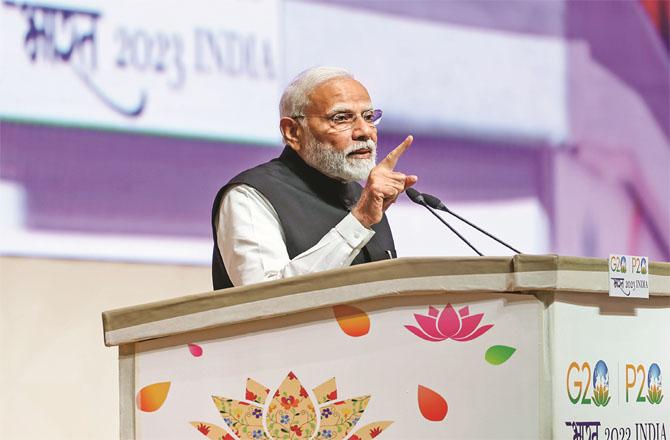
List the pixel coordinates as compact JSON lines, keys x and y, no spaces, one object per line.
{"x":204,"y":68}
{"x":440,"y":77}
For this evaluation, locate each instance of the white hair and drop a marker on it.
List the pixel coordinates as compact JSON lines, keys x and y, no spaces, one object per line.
{"x":295,"y":97}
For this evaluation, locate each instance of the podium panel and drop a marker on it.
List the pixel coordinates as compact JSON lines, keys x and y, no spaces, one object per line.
{"x":525,"y":347}
{"x":608,"y":356}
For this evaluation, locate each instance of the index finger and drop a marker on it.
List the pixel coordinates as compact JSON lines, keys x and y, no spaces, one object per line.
{"x":391,"y":159}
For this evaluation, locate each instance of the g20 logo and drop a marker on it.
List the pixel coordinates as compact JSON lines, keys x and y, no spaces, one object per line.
{"x":580,"y":378}
{"x":652,"y":379}
{"x":619,"y":264}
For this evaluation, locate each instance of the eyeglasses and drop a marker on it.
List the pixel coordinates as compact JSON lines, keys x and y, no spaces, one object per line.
{"x":342,"y":121}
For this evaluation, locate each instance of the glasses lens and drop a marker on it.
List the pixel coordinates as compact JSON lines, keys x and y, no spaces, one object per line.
{"x":345,"y":121}
{"x":342,"y":119}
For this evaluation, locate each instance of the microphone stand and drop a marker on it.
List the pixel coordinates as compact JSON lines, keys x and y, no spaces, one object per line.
{"x":432,"y":211}
{"x":437,"y":204}
{"x":481,"y":230}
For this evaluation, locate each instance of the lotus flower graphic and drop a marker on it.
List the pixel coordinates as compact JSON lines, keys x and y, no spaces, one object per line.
{"x":601,"y":384}
{"x":654,"y":387}
{"x":447,"y":324}
{"x":291,"y":414}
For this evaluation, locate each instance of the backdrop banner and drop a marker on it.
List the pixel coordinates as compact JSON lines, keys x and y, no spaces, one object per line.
{"x":163,"y":67}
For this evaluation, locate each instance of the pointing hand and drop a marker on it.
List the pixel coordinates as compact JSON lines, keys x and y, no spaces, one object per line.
{"x":383,"y":187}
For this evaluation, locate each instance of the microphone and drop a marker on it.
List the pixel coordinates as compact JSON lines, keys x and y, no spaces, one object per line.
{"x":436,"y":203}
{"x":415,"y":196}
{"x":420,"y":199}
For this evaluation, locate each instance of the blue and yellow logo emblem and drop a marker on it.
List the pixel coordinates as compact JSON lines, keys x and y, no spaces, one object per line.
{"x":601,"y":384}
{"x":654,"y":386}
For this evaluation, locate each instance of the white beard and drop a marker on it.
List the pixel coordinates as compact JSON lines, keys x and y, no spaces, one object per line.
{"x":337,"y":164}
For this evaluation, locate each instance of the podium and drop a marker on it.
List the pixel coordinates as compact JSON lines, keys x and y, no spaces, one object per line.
{"x":523,"y":347}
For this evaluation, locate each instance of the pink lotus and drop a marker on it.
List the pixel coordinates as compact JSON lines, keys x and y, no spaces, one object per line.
{"x":438,"y":326}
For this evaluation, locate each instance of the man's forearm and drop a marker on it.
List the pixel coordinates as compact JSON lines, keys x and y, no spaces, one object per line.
{"x":252,"y":244}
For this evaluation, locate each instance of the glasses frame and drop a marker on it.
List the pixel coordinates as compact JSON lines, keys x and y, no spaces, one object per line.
{"x":348,"y":125}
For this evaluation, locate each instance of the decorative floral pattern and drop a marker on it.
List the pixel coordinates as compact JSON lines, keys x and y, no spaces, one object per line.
{"x":370,"y":431}
{"x":212,"y":431}
{"x":326,"y":392}
{"x":256,"y":392}
{"x":447,"y":324}
{"x":291,"y":414}
{"x":338,"y":418}
{"x":240,"y":418}
{"x":294,"y":414}
{"x":204,"y":429}
{"x":301,"y":413}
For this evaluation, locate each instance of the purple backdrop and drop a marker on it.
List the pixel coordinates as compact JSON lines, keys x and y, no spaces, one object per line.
{"x":605,"y":191}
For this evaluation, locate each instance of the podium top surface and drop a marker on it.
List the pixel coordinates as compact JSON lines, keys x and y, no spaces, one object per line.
{"x":514,"y":274}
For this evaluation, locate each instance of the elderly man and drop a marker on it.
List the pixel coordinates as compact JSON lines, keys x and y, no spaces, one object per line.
{"x":304,"y":211}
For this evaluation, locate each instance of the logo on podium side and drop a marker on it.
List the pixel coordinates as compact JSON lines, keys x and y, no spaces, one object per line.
{"x":628,"y":276}
{"x":581,"y":378}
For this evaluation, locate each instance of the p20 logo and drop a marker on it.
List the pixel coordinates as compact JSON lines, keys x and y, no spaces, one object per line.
{"x":651,"y":378}
{"x":619,"y":264}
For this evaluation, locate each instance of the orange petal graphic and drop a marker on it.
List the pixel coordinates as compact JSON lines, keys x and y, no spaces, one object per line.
{"x":151,"y":397}
{"x":195,"y":350}
{"x":432,"y":406}
{"x":352,"y":320}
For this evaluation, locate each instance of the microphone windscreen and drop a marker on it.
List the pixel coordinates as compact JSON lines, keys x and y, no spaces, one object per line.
{"x":414,"y":195}
{"x":433,"y":201}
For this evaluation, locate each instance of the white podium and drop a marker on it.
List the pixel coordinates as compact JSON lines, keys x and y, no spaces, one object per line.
{"x":524,"y":347}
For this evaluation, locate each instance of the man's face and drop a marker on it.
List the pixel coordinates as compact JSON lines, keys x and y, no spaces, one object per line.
{"x":347,"y":154}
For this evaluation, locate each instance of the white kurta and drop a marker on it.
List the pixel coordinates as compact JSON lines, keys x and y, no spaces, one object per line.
{"x":252,"y":244}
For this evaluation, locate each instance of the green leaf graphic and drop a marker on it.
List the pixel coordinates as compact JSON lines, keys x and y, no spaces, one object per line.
{"x":498,"y":354}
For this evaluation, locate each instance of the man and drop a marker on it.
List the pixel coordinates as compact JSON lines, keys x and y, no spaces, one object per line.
{"x":304,"y":211}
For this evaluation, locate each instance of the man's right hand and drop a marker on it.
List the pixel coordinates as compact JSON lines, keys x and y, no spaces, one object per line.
{"x":383,"y":187}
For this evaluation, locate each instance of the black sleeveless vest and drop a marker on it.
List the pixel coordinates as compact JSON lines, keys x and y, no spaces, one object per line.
{"x":308,"y":203}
